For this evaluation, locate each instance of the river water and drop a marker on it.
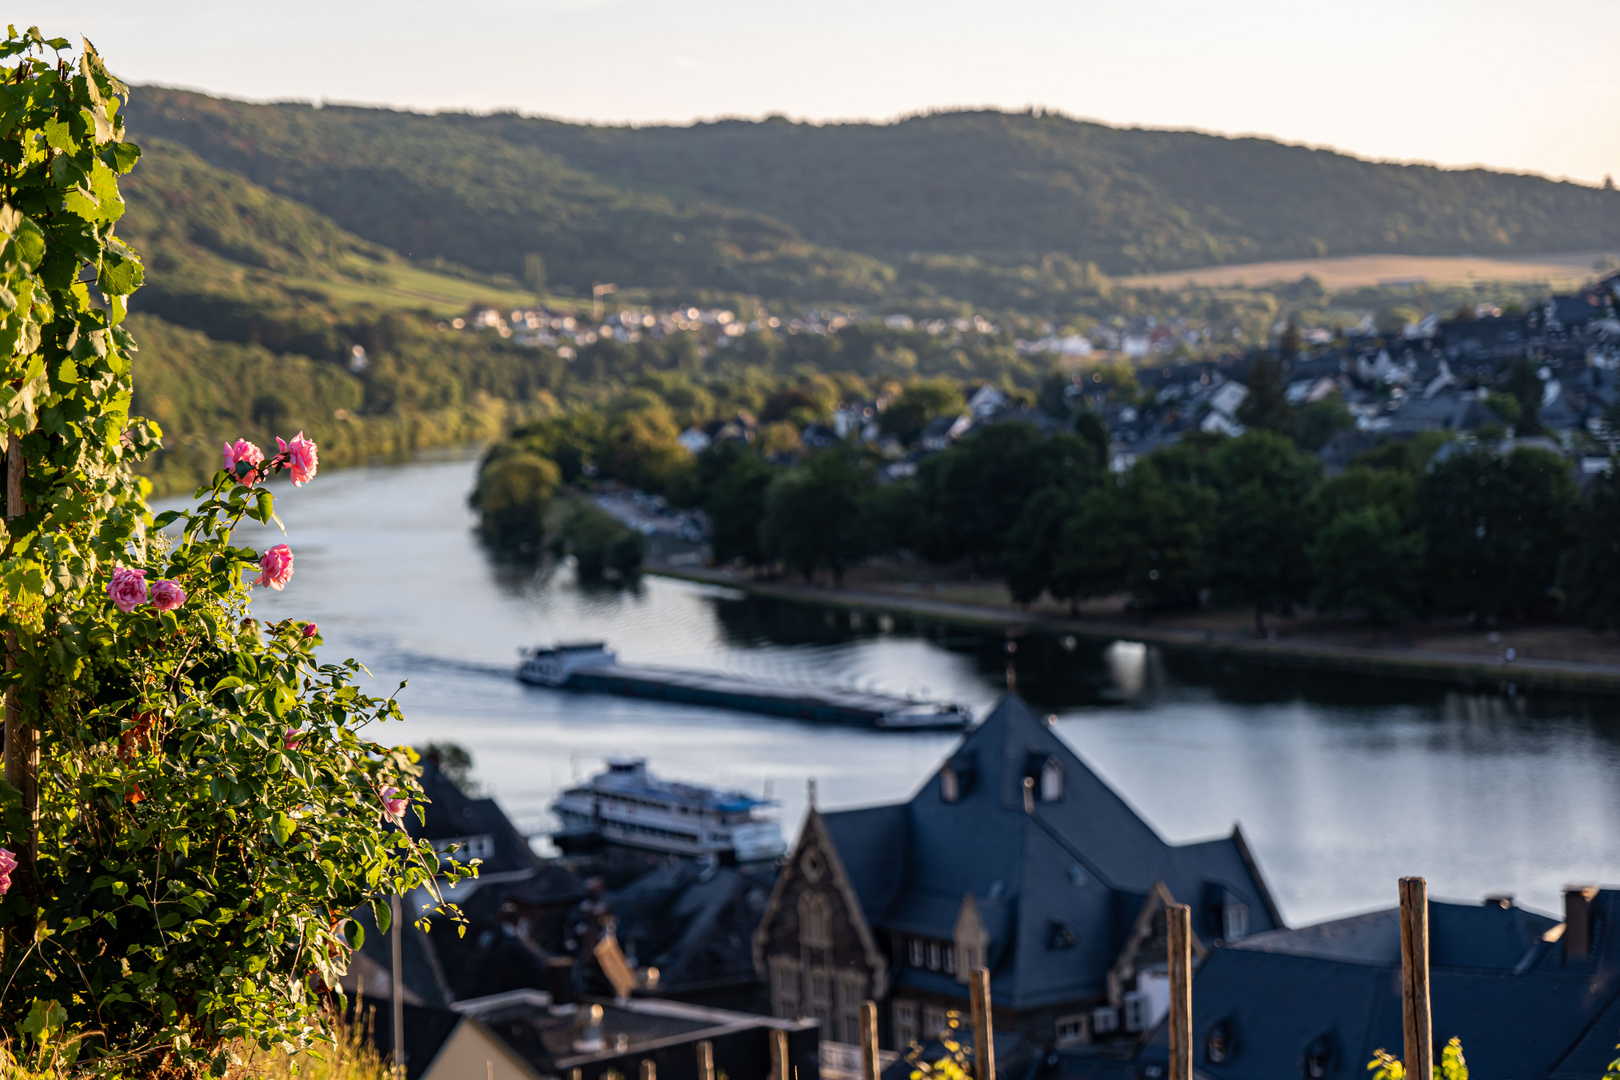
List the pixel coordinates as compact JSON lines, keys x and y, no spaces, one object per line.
{"x":1342,"y":784}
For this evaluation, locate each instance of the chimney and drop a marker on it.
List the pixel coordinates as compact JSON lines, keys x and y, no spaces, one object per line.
{"x":560,"y":979}
{"x":1029,"y":794}
{"x":1578,"y":921}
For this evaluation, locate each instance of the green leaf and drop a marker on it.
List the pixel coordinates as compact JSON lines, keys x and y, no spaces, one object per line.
{"x":57,"y":136}
{"x":354,"y":933}
{"x":120,"y":276}
{"x":124,"y":155}
{"x":283,"y":827}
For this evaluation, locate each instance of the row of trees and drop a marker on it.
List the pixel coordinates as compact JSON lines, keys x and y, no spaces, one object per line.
{"x":1427,"y":526}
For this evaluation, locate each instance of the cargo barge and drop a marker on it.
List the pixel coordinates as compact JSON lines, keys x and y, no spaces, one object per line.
{"x":592,"y":667}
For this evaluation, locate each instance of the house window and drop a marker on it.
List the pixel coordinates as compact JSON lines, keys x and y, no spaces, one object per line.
{"x":950,"y":789}
{"x":784,"y":988}
{"x":1074,"y":1030}
{"x":950,"y":960}
{"x":914,"y":951}
{"x":1052,"y":781}
{"x":933,"y":1021}
{"x":905,"y":1024}
{"x":1218,"y":1044}
{"x":1235,"y":921}
{"x":933,"y":956}
{"x":851,"y":992}
{"x":821,"y":1002}
{"x":815,"y":921}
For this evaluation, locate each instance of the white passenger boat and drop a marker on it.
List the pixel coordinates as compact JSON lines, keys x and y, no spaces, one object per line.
{"x":629,"y":807}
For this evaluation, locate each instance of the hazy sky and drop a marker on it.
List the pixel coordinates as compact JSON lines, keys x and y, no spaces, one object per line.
{"x":1516,"y":86}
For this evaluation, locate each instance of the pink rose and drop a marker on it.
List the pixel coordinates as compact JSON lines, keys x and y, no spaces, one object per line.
{"x":392,"y":802}
{"x":302,"y":458}
{"x":275,"y":567}
{"x":239,"y":451}
{"x":294,"y":737}
{"x":8,"y":863}
{"x":127,"y":589}
{"x":310,"y":629}
{"x":167,"y":595}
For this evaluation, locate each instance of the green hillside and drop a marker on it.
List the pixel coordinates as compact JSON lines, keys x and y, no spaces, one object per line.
{"x":969,"y":204}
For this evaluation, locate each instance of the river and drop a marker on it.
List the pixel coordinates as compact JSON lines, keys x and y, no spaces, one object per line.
{"x":1342,"y":784}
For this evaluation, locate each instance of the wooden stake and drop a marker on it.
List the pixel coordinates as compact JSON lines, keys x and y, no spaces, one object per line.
{"x":705,"y":1056}
{"x":984,"y":1030}
{"x":779,"y":1055}
{"x":1419,"y":1026}
{"x":649,"y":1069}
{"x":1178,"y":919}
{"x":869,"y":1050}
{"x":396,"y":957}
{"x":21,"y":743}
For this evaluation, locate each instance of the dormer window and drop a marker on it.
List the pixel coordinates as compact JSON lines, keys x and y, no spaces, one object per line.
{"x":1218,"y":1043}
{"x":1052,"y":781}
{"x":950,"y":786}
{"x":1235,"y":922}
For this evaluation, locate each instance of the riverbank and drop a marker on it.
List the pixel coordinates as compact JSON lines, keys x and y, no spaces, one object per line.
{"x":1413,"y":656}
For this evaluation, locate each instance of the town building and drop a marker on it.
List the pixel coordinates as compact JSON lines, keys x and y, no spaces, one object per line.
{"x":1014,"y":856}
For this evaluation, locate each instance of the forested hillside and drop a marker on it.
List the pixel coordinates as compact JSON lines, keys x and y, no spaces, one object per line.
{"x":947,"y":204}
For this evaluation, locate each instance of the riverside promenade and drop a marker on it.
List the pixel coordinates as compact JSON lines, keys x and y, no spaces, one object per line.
{"x":1464,"y":669}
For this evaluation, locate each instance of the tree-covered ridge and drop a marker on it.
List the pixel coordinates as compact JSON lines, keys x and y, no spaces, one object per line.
{"x":856,"y":211}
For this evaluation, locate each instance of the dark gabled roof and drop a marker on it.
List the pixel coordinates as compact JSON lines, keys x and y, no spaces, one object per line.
{"x":1487,"y":936}
{"x":871,"y":843}
{"x":1082,"y":864}
{"x":450,"y":815}
{"x":693,"y":923}
{"x":426,"y":1032}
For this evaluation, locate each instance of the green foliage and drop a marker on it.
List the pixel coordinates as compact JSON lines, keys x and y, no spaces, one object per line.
{"x":1266,"y":408}
{"x":1318,"y":420}
{"x":1451,"y":1066}
{"x":513,"y":494}
{"x":917,"y":406}
{"x":1589,"y":576}
{"x":602,"y":546}
{"x":1141,"y":533}
{"x":208,"y":812}
{"x":1366,"y":560}
{"x":1506,"y":406}
{"x":775,"y":208}
{"x":1256,"y":544}
{"x":814,"y":514}
{"x":1494,"y":527}
{"x":731,"y":482}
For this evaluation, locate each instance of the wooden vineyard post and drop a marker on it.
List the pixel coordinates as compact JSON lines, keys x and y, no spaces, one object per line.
{"x":705,"y":1056}
{"x":984,"y":1031}
{"x":869,"y":1049}
{"x":396,"y":945}
{"x":21,"y":741}
{"x":1419,"y":1026}
{"x":779,"y":1055}
{"x":649,"y":1069}
{"x":1178,"y":919}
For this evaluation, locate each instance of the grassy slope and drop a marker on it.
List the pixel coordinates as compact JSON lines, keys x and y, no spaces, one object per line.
{"x":787,"y":209}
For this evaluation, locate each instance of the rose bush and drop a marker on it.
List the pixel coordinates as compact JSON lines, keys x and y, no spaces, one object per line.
{"x":192,"y":806}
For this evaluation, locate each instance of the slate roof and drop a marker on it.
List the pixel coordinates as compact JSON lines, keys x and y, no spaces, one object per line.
{"x":450,"y":814}
{"x":1522,"y":1008}
{"x":1086,"y":862}
{"x":693,"y":923}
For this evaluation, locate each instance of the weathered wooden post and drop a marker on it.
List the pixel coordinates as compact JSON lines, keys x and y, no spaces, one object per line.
{"x":21,"y":741}
{"x":984,"y":1031}
{"x":705,"y":1056}
{"x":649,"y":1069}
{"x":1419,"y":1026}
{"x":869,"y":1050}
{"x":397,"y":990}
{"x":1178,"y":920}
{"x":779,"y":1055}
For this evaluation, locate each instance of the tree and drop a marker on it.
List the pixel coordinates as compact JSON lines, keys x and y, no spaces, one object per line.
{"x":1141,"y":533}
{"x":1256,"y":548}
{"x":1494,"y":527}
{"x":1590,"y":572}
{"x":1318,"y":420}
{"x":1366,"y":560}
{"x":191,"y":808}
{"x":1266,"y":408}
{"x":917,"y":405}
{"x":974,"y":492}
{"x":1028,"y":561}
{"x":814,"y":514}
{"x":732,"y":488}
{"x":512,"y":495}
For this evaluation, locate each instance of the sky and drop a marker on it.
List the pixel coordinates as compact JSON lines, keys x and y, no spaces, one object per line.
{"x":1529,"y":88}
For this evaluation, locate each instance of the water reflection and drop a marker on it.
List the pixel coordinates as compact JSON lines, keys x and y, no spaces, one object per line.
{"x":1342,"y":782}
